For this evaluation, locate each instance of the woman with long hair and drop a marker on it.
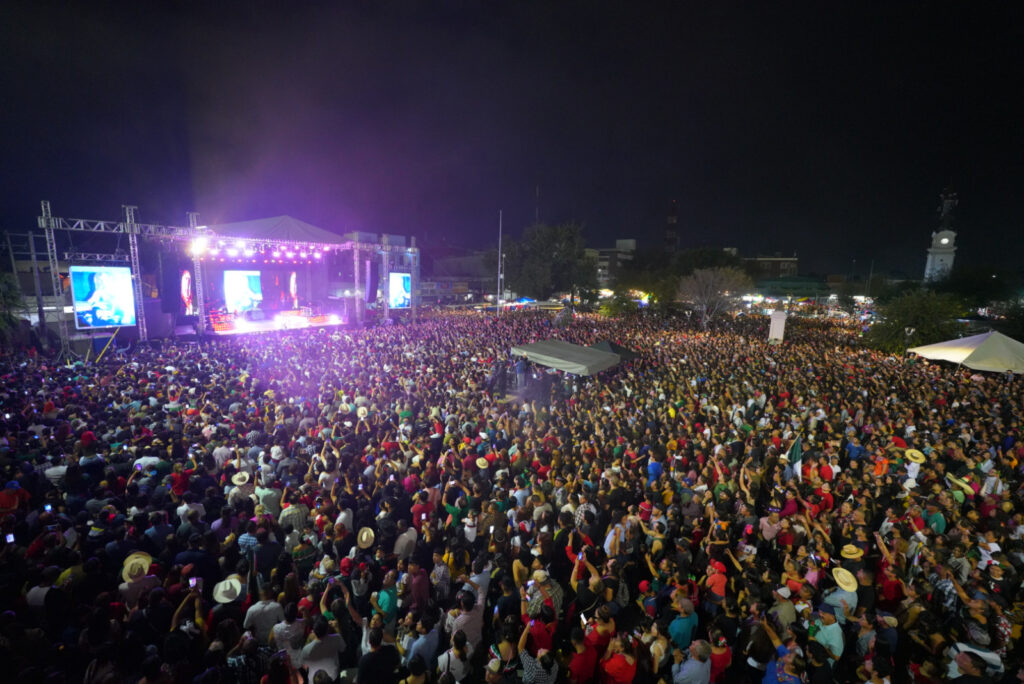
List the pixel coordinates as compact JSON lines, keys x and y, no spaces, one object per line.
{"x":600,"y":630}
{"x":619,"y":663}
{"x":455,"y":661}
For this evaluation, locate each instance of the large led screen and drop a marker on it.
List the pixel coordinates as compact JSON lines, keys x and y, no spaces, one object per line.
{"x":399,"y":290}
{"x":242,"y":291}
{"x":102,"y":296}
{"x":188,"y":293}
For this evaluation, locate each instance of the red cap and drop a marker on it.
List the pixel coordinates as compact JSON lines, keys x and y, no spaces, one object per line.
{"x":645,"y":586}
{"x":718,"y":565}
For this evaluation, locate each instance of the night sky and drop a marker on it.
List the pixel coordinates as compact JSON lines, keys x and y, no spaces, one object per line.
{"x":824,"y":129}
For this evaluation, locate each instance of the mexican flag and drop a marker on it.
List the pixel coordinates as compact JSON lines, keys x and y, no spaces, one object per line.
{"x":796,"y":456}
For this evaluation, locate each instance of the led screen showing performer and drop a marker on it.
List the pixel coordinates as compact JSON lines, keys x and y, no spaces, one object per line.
{"x":188,"y":294}
{"x":293,"y":289}
{"x":399,"y":290}
{"x":102,"y":296}
{"x":242,"y":291}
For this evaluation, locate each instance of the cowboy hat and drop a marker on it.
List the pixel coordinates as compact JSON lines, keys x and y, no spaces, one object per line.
{"x":914,"y":456}
{"x":482,"y":463}
{"x":852,"y":552}
{"x":362,"y":411}
{"x":227,"y":590}
{"x":136,"y":566}
{"x":961,"y":483}
{"x":345,"y":409}
{"x":845,"y":579}
{"x":365,"y":538}
{"x":240,"y":478}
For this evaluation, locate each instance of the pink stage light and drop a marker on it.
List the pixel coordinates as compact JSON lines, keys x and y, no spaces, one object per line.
{"x":316,"y":255}
{"x":290,"y":255}
{"x":276,"y":254}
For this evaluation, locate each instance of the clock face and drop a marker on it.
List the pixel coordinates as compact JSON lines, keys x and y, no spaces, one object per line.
{"x":944,"y":241}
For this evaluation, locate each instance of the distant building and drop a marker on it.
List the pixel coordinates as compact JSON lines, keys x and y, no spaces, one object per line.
{"x":767,"y":267}
{"x":943,"y":248}
{"x":458,"y":279}
{"x":611,"y":259}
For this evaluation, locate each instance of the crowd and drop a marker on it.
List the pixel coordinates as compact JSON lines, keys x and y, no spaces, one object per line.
{"x":410,"y":504}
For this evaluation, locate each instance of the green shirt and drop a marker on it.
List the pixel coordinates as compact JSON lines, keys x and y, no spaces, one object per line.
{"x":387,"y":599}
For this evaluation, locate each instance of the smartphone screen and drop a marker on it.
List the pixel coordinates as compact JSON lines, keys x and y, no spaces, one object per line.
{"x":47,"y":508}
{"x":492,"y":529}
{"x":192,"y":582}
{"x":360,"y":486}
{"x":10,"y":538}
{"x":583,"y":619}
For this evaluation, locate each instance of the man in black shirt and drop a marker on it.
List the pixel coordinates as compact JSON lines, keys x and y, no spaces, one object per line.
{"x":379,"y":665}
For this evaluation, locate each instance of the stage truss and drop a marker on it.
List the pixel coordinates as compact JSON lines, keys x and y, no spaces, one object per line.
{"x":383,"y":251}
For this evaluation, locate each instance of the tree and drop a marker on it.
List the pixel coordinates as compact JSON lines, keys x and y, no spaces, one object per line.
{"x":619,"y":305}
{"x":550,"y":259}
{"x":915,"y":318}
{"x":658,"y":272}
{"x":710,"y":290}
{"x":976,"y":287}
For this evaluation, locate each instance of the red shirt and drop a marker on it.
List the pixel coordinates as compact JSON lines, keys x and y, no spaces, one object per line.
{"x":542,"y":636}
{"x":617,"y":670}
{"x":581,"y":667}
{"x":420,"y":512}
{"x":179,"y":481}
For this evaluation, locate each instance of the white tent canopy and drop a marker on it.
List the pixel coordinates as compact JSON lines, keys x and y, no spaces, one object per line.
{"x":991,"y":351}
{"x":568,"y":357}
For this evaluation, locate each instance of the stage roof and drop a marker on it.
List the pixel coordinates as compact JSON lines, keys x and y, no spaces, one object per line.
{"x":280,"y":228}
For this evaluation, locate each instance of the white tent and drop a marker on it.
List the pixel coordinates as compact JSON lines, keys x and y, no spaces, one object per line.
{"x":991,"y":351}
{"x":568,"y":357}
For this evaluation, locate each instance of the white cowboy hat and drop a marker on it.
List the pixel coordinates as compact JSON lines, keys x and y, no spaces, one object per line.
{"x":136,"y":566}
{"x":365,"y":538}
{"x":227,"y":591}
{"x":240,"y":478}
{"x":362,"y":411}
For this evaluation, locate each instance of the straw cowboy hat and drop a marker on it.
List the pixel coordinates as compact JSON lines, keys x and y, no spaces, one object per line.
{"x":852,"y":552}
{"x":136,"y":566}
{"x":961,"y":483}
{"x":362,"y":411}
{"x":845,"y":579}
{"x":240,"y":478}
{"x":365,"y":538}
{"x":914,"y":456}
{"x":228,"y":590}
{"x":482,"y":463}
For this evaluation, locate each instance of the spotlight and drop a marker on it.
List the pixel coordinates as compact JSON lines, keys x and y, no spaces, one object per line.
{"x":240,"y":244}
{"x":249,"y":252}
{"x":290,"y":255}
{"x":316,"y":255}
{"x":276,"y":254}
{"x":303,"y":255}
{"x":199,"y":245}
{"x":214,"y":251}
{"x":232,"y":252}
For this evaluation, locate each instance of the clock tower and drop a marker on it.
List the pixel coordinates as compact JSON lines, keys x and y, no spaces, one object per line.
{"x":943,"y":247}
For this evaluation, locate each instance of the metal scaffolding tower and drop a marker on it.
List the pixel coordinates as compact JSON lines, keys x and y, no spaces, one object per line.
{"x":128,"y":226}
